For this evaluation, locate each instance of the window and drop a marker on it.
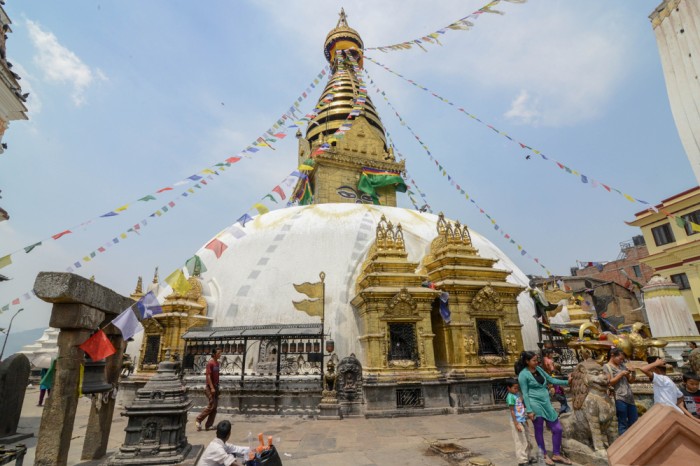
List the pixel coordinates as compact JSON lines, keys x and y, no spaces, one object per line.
{"x":663,"y":234}
{"x":691,"y":217}
{"x":681,"y":280}
{"x":403,"y":342}
{"x":637,"y":270}
{"x":489,"y":337}
{"x":152,"y":349}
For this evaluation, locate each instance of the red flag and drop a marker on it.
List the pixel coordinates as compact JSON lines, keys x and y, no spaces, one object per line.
{"x":171,"y":204}
{"x":15,"y":301}
{"x":98,"y":346}
{"x":279,"y":191}
{"x":280,"y":135}
{"x":233,"y":159}
{"x":58,"y":235}
{"x":560,"y":165}
{"x":164,"y":189}
{"x":606,"y":187}
{"x":217,"y":246}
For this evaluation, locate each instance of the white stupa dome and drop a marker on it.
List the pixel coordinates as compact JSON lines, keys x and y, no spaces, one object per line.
{"x":251,"y":282}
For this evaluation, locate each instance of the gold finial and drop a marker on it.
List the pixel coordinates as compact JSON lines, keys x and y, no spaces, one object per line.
{"x":139,"y":286}
{"x":343,"y":20}
{"x":155,"y":276}
{"x":92,"y":278}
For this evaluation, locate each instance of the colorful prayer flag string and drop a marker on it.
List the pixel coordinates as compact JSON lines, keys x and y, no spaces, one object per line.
{"x":453,"y":183}
{"x":583,"y":178}
{"x":275,"y":132}
{"x":463,"y":24}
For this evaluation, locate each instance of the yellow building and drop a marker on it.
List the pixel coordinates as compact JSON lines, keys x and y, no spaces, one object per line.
{"x":674,"y":248}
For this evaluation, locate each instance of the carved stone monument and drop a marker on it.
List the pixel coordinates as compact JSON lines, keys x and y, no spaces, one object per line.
{"x":14,"y":374}
{"x":349,"y":386}
{"x":155,"y":433}
{"x":592,"y":427}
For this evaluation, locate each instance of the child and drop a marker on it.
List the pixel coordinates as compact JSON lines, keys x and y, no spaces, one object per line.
{"x":519,"y":428}
{"x":691,"y":394}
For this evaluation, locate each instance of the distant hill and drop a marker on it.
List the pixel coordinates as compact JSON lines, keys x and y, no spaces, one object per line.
{"x":19,"y":339}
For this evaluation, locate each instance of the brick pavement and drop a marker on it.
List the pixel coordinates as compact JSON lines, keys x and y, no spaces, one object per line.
{"x":361,"y":442}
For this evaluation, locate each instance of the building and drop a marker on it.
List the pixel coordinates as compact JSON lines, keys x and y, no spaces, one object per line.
{"x":675,"y":24}
{"x":435,"y":313}
{"x":674,"y":248}
{"x":11,"y":97}
{"x":627,"y":270}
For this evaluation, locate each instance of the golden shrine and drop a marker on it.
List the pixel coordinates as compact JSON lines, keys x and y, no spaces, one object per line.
{"x":162,"y":335}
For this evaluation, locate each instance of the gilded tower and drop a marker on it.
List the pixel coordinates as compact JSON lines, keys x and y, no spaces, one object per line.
{"x":345,"y":147}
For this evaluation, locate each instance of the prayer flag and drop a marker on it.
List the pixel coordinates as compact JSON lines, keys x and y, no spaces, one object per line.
{"x":217,"y":247}
{"x":271,"y":198}
{"x":178,"y":282}
{"x":680,"y":222}
{"x":445,"y":307}
{"x":243,"y":219}
{"x":127,"y":323}
{"x":15,"y":301}
{"x":279,"y":191}
{"x":695,"y":227}
{"x":148,"y":305}
{"x":164,"y":189}
{"x":233,"y":159}
{"x":148,"y":198}
{"x":98,"y":346}
{"x":63,"y":233}
{"x":195,"y":266}
{"x":262,"y":209}
{"x":122,"y":208}
{"x":109,"y":214}
{"x":29,"y":249}
{"x":5,"y":261}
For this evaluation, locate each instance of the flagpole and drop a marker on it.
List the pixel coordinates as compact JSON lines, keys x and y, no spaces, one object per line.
{"x":322,"y":275}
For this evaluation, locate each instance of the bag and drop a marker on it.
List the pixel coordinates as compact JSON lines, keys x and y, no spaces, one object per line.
{"x":268,"y":457}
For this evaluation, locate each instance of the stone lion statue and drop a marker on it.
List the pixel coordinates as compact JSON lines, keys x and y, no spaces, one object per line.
{"x":593,"y":422}
{"x":694,"y":360}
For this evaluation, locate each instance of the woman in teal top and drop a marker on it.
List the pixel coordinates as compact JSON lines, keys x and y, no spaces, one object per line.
{"x":533,"y":382}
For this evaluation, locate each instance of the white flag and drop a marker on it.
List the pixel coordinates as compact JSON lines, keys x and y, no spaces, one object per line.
{"x":128,"y":323}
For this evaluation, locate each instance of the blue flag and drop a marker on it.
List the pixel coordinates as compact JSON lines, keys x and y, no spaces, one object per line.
{"x":445,"y":307}
{"x":149,"y":306}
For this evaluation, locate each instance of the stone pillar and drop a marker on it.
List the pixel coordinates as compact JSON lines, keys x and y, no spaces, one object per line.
{"x":100,"y":421}
{"x":80,"y":306}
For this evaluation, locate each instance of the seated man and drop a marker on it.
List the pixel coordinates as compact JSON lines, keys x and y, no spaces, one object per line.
{"x":220,"y":453}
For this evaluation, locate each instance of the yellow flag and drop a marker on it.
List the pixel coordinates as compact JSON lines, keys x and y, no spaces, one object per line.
{"x":312,"y":290}
{"x":261,"y":208}
{"x":122,"y":236}
{"x":5,"y":261}
{"x":305,"y":167}
{"x":313,"y":307}
{"x":694,"y":226}
{"x":629,"y":198}
{"x":178,"y":282}
{"x":207,"y":170}
{"x":122,"y":208}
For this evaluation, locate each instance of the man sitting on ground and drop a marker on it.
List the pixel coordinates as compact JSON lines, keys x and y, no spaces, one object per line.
{"x":220,"y":453}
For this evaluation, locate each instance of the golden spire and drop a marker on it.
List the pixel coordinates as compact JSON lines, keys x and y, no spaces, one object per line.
{"x":155,"y":276}
{"x":139,"y":286}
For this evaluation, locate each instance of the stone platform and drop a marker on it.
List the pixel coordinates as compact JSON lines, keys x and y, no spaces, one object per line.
{"x":303,"y":441}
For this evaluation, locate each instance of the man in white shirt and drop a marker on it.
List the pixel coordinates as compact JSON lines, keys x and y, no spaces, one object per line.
{"x":666,"y":392}
{"x":220,"y":453}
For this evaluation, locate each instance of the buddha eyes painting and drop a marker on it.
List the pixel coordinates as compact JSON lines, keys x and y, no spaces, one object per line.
{"x":348,"y":192}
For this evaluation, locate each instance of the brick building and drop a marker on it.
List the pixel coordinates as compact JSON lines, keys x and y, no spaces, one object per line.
{"x":625,"y":270}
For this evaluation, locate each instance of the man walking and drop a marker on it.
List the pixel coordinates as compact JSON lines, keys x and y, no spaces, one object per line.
{"x":211,"y":390}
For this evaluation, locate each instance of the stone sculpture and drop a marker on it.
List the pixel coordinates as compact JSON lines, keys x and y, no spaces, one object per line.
{"x":592,"y":427}
{"x":14,"y":374}
{"x":349,"y":380}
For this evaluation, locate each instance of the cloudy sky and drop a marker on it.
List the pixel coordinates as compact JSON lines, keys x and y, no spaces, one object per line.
{"x":128,"y":97}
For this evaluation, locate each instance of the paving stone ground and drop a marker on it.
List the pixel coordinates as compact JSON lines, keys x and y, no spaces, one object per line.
{"x":301,"y":442}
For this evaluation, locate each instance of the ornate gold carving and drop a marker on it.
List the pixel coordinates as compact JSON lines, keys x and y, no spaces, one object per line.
{"x":487,"y":299}
{"x":402,"y":305}
{"x":494,"y":360}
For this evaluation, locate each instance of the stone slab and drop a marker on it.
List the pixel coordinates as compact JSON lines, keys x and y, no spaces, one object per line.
{"x":62,"y":287}
{"x":75,"y":316}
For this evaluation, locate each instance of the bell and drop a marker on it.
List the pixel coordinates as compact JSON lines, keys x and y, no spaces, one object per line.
{"x":330,"y":346}
{"x":94,"y":380}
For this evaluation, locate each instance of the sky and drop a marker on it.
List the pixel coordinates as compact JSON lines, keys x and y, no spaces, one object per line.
{"x":128,"y":97}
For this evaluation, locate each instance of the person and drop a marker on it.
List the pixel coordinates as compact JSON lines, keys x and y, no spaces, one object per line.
{"x":188,"y":361}
{"x":691,"y":394}
{"x":665,"y":390}
{"x":620,"y":378}
{"x":533,"y":382}
{"x":219,"y":452}
{"x":518,"y":428}
{"x":551,"y":368}
{"x":46,"y":382}
{"x":211,"y":390}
